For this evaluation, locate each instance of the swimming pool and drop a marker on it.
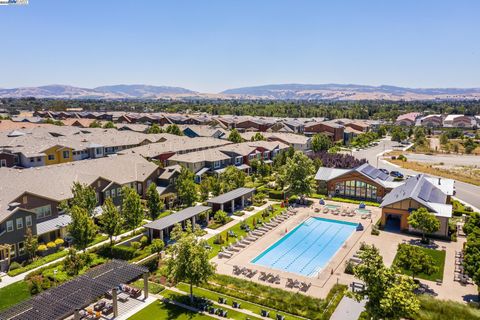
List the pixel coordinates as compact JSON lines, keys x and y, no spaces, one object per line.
{"x":308,"y":248}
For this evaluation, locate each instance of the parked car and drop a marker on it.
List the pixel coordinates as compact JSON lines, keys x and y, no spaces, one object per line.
{"x":396,"y":174}
{"x":384,"y":170}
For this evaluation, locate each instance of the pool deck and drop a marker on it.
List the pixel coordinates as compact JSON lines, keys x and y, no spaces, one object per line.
{"x":387,"y":243}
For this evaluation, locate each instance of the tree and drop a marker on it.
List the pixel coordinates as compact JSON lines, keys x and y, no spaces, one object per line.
{"x":414,"y":260}
{"x":31,"y":244}
{"x":215,"y":186}
{"x":204,"y":189}
{"x":258,"y":137}
{"x":389,"y":295}
{"x":109,"y":125}
{"x":174,"y":129}
{"x":154,"y":129}
{"x":398,"y":134}
{"x":110,"y":220}
{"x":189,"y":260}
{"x":82,"y":228}
{"x":95,"y":124}
{"x":154,"y":203}
{"x":234,"y":136}
{"x":84,"y":196}
{"x":232,"y":178}
{"x":157,"y":247}
{"x":185,"y":186}
{"x":382,"y":131}
{"x":298,"y":173}
{"x":443,"y":139}
{"x":73,"y":262}
{"x":424,"y":221}
{"x":469,"y":145}
{"x":132,"y":208}
{"x":471,"y":261}
{"x":321,"y":142}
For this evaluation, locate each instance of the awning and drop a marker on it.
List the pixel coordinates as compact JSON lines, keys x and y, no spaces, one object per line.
{"x":176,"y":217}
{"x":53,"y":224}
{"x":232,"y":195}
{"x":202,"y":171}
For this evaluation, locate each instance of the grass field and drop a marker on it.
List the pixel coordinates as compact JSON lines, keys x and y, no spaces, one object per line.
{"x":439,"y":258}
{"x":160,"y":310}
{"x":13,"y":294}
{"x":238,"y":231}
{"x":255,"y":308}
{"x":232,"y":314}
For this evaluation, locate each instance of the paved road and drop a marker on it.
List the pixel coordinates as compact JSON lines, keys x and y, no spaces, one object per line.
{"x":348,"y":309}
{"x":466,"y":192}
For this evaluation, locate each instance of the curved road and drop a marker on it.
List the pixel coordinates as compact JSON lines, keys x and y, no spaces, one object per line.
{"x":464,"y":191}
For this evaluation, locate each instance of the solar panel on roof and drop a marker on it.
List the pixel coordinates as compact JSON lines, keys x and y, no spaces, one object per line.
{"x":425,"y":191}
{"x":382,"y":175}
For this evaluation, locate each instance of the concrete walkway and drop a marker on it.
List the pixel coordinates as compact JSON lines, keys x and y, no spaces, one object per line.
{"x":348,"y":309}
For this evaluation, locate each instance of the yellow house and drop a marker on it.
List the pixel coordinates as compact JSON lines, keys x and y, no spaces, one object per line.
{"x":58,"y":154}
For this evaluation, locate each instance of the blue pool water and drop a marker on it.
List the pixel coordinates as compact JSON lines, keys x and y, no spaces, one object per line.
{"x":308,"y":248}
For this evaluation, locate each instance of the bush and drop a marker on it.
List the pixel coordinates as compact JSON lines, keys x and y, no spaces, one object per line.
{"x":117,"y":252}
{"x":14,"y":266}
{"x":59,"y":242}
{"x":51,"y":245}
{"x":135,"y":245}
{"x":144,"y":241}
{"x":35,"y":284}
{"x":277,"y":195}
{"x":250,"y":208}
{"x":402,"y":158}
{"x":292,"y":199}
{"x":375,"y":231}
{"x":219,"y":239}
{"x":220,"y":216}
{"x":349,"y":267}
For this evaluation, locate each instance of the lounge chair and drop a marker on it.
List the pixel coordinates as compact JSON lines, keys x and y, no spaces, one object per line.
{"x":304,"y":286}
{"x":289,"y":283}
{"x":280,"y":317}
{"x":265,"y":313}
{"x":222,"y":300}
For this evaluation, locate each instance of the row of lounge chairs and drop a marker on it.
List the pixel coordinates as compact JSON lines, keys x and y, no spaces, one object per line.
{"x":303,"y":286}
{"x":253,"y":235}
{"x":269,"y":277}
{"x":247,"y":272}
{"x":460,"y":274}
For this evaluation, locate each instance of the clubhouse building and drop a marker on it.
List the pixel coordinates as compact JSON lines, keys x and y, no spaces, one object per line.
{"x":397,"y":198}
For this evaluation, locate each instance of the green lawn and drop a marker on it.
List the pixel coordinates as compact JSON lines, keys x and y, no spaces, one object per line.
{"x":184,"y":298}
{"x":13,"y":294}
{"x":215,"y":225}
{"x":439,"y":258}
{"x":238,"y":231}
{"x":255,"y":308}
{"x":160,"y":310}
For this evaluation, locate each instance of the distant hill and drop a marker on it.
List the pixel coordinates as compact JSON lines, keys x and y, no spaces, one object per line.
{"x":342,"y":92}
{"x":104,"y":92}
{"x":351,"y":92}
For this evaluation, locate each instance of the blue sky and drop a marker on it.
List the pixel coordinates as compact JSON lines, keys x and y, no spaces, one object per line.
{"x":212,"y":45}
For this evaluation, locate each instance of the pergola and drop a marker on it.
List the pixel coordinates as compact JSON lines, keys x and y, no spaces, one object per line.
{"x":68,"y":298}
{"x":232,"y":198}
{"x":160,"y":227}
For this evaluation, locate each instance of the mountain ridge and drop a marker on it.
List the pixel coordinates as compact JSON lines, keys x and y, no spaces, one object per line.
{"x":292,"y":91}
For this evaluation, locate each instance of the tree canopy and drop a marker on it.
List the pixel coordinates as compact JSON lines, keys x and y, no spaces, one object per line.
{"x":84,"y":196}
{"x":415,"y":260}
{"x":110,"y":220}
{"x":185,"y":187}
{"x":235,"y":136}
{"x":299,"y":172}
{"x":189,"y":260}
{"x":82,"y":228}
{"x":154,"y":203}
{"x":132,"y":208}
{"x":424,"y":221}
{"x":174,"y":129}
{"x":390,"y":295}
{"x":321,"y":142}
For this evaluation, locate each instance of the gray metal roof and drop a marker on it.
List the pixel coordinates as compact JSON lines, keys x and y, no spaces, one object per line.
{"x":53,"y":224}
{"x":370,"y":172}
{"x":176,"y":217}
{"x":229,"y":196}
{"x":422,"y":190}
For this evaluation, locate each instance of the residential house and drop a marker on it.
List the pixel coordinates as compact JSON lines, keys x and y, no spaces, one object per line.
{"x":331,"y":129}
{"x":458,"y":121}
{"x":407,"y":119}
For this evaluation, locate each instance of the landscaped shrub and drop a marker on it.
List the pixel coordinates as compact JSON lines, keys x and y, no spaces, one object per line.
{"x":51,"y":245}
{"x":219,"y":239}
{"x":117,"y":252}
{"x":277,"y":195}
{"x":144,"y":241}
{"x":349,"y":265}
{"x":14,"y":266}
{"x":402,"y":158}
{"x":250,"y":208}
{"x":375,"y":231}
{"x":135,"y":245}
{"x":59,"y":242}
